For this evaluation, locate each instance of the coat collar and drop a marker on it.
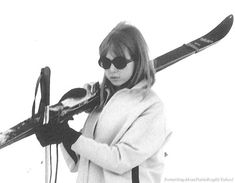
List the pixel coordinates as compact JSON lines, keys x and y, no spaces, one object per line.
{"x":133,"y":94}
{"x":141,"y":86}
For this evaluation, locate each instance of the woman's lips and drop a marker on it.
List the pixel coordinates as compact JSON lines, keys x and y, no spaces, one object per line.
{"x":114,"y":78}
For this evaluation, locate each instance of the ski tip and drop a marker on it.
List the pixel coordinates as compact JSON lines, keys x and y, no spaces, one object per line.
{"x":221,"y":30}
{"x":230,"y":17}
{"x":229,"y":21}
{"x":47,"y":70}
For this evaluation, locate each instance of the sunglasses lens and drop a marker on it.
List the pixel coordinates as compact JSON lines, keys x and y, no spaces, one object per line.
{"x":120,"y":62}
{"x":104,"y":63}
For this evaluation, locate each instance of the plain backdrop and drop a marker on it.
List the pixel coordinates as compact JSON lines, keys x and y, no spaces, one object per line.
{"x":198,"y":92}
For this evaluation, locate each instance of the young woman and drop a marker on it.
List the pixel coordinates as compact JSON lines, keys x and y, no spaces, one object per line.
{"x":122,"y":138}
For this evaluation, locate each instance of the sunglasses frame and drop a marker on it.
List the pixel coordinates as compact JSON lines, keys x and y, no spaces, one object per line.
{"x":113,"y":61}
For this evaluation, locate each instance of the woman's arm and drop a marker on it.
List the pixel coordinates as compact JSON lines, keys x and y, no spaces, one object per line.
{"x":70,"y":157}
{"x":144,"y":138}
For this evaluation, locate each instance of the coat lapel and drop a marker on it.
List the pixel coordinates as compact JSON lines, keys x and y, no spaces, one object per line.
{"x":90,"y":124}
{"x":133,"y":115}
{"x":121,"y":102}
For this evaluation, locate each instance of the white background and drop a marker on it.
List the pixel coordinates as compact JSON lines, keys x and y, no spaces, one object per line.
{"x":198,"y":92}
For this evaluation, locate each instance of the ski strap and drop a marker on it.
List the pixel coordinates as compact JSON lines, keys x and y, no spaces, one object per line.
{"x":44,"y":82}
{"x":43,"y":112}
{"x":35,"y":95}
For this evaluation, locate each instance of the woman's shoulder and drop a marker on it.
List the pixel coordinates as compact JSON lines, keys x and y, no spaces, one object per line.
{"x":152,"y":97}
{"x":147,"y":94}
{"x":148,"y":99}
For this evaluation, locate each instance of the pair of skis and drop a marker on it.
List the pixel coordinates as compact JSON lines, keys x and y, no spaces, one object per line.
{"x":82,"y":99}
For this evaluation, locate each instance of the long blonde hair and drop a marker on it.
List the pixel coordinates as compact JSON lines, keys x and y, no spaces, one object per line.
{"x":126,"y":36}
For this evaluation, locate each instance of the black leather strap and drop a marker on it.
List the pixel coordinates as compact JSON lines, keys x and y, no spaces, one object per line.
{"x":135,"y":175}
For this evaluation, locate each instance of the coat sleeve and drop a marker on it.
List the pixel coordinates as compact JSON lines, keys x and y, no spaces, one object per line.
{"x":72,"y":165}
{"x":143,"y":139}
{"x":70,"y":157}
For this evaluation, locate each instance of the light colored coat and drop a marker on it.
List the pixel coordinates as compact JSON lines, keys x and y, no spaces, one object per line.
{"x":129,"y":132}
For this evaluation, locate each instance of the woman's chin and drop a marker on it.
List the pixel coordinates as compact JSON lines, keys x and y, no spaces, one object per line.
{"x":116,"y":83}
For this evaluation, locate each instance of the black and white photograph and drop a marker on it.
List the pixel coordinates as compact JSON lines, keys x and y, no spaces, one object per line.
{"x":121,"y":91}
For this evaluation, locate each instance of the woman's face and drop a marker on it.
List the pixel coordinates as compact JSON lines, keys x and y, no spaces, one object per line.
{"x":119,"y":76}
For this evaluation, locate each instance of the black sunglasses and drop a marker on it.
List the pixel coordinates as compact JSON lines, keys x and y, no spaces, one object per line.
{"x":118,"y":62}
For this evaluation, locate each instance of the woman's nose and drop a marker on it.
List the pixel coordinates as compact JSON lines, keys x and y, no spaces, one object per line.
{"x":113,"y":68}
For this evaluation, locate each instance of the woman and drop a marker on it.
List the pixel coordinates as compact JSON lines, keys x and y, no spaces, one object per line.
{"x":122,"y":138}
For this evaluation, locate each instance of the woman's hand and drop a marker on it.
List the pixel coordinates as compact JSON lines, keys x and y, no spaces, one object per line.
{"x":50,"y":133}
{"x":56,"y":133}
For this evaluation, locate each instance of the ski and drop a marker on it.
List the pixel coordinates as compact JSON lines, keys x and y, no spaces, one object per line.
{"x":73,"y":102}
{"x":81,"y":99}
{"x":215,"y":35}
